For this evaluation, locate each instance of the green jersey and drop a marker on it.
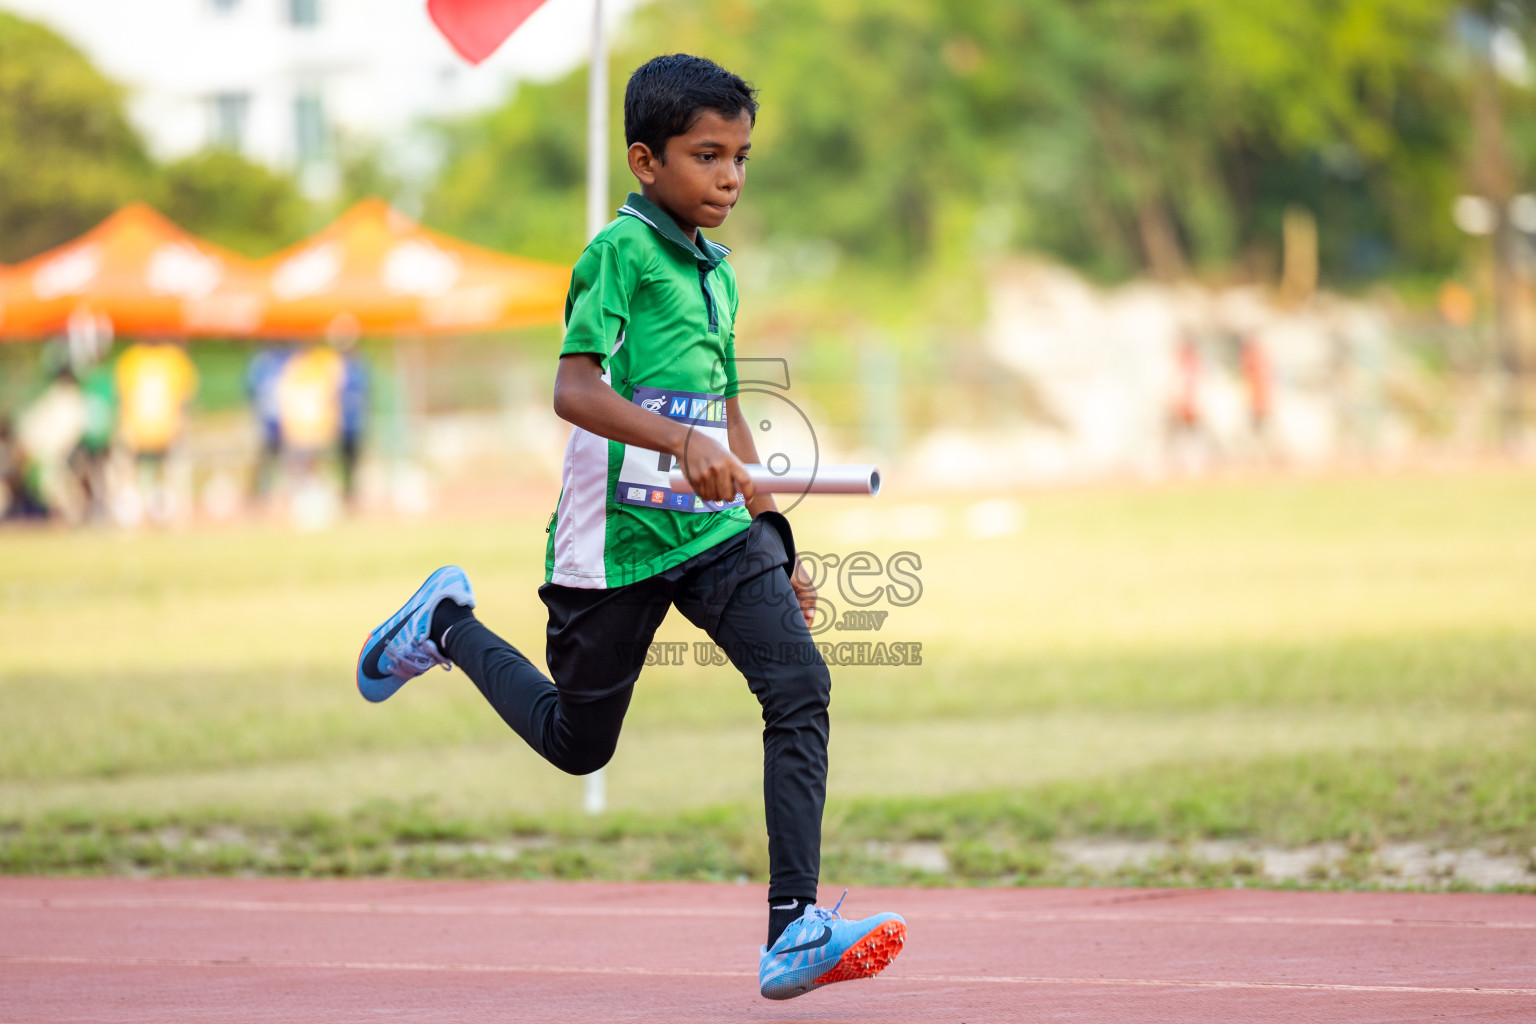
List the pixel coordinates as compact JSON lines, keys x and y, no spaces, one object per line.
{"x":660,"y":313}
{"x":100,"y":408}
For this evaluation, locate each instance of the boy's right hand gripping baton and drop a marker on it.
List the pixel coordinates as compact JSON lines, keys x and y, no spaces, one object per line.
{"x":820,"y":480}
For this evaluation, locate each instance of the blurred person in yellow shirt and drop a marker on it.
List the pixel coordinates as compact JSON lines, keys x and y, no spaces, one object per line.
{"x":309,"y":400}
{"x":155,"y":382}
{"x":309,"y":418}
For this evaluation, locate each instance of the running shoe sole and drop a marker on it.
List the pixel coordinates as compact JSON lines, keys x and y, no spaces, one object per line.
{"x":869,"y":956}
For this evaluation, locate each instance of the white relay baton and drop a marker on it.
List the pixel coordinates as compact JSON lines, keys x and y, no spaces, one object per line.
{"x":819,"y":480}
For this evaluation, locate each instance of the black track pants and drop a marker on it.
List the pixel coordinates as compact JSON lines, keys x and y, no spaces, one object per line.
{"x":738,"y":593}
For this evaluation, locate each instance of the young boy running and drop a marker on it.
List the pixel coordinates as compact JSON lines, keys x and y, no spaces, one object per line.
{"x":647,"y":375}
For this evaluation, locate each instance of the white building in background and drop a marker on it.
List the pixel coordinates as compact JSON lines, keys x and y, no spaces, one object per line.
{"x":288,"y":82}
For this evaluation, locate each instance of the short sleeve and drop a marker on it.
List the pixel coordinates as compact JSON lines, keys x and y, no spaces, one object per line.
{"x":732,"y":384}
{"x":597,"y":306}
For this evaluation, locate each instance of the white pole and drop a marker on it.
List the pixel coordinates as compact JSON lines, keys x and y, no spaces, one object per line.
{"x":594,"y":786}
{"x":597,"y":127}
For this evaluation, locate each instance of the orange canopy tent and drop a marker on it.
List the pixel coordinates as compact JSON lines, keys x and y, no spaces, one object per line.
{"x":139,"y":271}
{"x":376,"y":271}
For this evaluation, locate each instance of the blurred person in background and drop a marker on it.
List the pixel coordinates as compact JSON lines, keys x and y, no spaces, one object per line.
{"x":261,"y":389}
{"x":1259,"y":387}
{"x":309,"y":414}
{"x":93,"y":457}
{"x":354,"y":413}
{"x":17,"y":500}
{"x":155,"y":382}
{"x":1186,"y":429}
{"x":49,"y":432}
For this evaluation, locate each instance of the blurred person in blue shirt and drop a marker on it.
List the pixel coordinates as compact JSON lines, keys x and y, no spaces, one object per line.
{"x":354,"y":413}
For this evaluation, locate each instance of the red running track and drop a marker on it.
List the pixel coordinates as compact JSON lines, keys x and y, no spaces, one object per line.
{"x":173,"y":950}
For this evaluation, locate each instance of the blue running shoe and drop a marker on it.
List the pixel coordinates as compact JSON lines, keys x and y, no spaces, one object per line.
{"x":821,"y":947}
{"x":399,"y":649}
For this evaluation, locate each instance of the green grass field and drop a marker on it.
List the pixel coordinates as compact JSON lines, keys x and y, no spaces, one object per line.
{"x":1286,"y":662}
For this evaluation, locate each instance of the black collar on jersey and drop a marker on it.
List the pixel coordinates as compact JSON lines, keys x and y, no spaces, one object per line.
{"x":709,"y":254}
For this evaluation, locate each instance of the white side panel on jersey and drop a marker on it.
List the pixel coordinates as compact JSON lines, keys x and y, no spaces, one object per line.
{"x":581,"y":520}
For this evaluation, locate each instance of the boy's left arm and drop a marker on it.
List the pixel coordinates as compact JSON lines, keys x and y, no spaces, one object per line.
{"x":739,"y":433}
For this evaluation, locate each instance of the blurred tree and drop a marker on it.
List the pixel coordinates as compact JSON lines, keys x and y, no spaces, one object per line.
{"x":68,"y":156}
{"x":1119,"y":135}
{"x":366,"y":172}
{"x":1195,"y":124}
{"x":869,"y":116}
{"x":230,"y":200}
{"x":514,"y":179}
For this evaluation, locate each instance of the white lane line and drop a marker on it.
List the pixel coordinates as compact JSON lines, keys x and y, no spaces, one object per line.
{"x":1305,"y":986}
{"x":1333,"y":922}
{"x":688,"y":972}
{"x":367,"y":965}
{"x":408,"y":909}
{"x":534,"y":910}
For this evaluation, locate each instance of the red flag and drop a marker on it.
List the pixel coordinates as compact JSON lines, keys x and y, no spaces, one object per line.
{"x":477,"y":27}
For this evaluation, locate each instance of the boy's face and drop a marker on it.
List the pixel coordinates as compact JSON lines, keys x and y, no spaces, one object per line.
{"x":703,"y":174}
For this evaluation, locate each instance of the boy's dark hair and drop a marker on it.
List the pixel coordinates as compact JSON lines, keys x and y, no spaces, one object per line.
{"x":666,"y":94}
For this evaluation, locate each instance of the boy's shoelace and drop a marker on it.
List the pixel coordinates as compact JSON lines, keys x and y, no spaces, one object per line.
{"x":417,"y":658}
{"x":823,"y":914}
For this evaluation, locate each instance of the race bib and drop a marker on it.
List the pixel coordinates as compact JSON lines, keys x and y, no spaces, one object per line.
{"x":644,"y":478}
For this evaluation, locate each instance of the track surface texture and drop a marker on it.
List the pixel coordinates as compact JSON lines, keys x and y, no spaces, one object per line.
{"x":174,"y":950}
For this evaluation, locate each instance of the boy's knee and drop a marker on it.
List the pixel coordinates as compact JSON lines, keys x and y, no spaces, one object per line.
{"x":586,"y":762}
{"x":586,"y":758}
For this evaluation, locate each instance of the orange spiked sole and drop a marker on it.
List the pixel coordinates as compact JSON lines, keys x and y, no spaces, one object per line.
{"x":869,"y":956}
